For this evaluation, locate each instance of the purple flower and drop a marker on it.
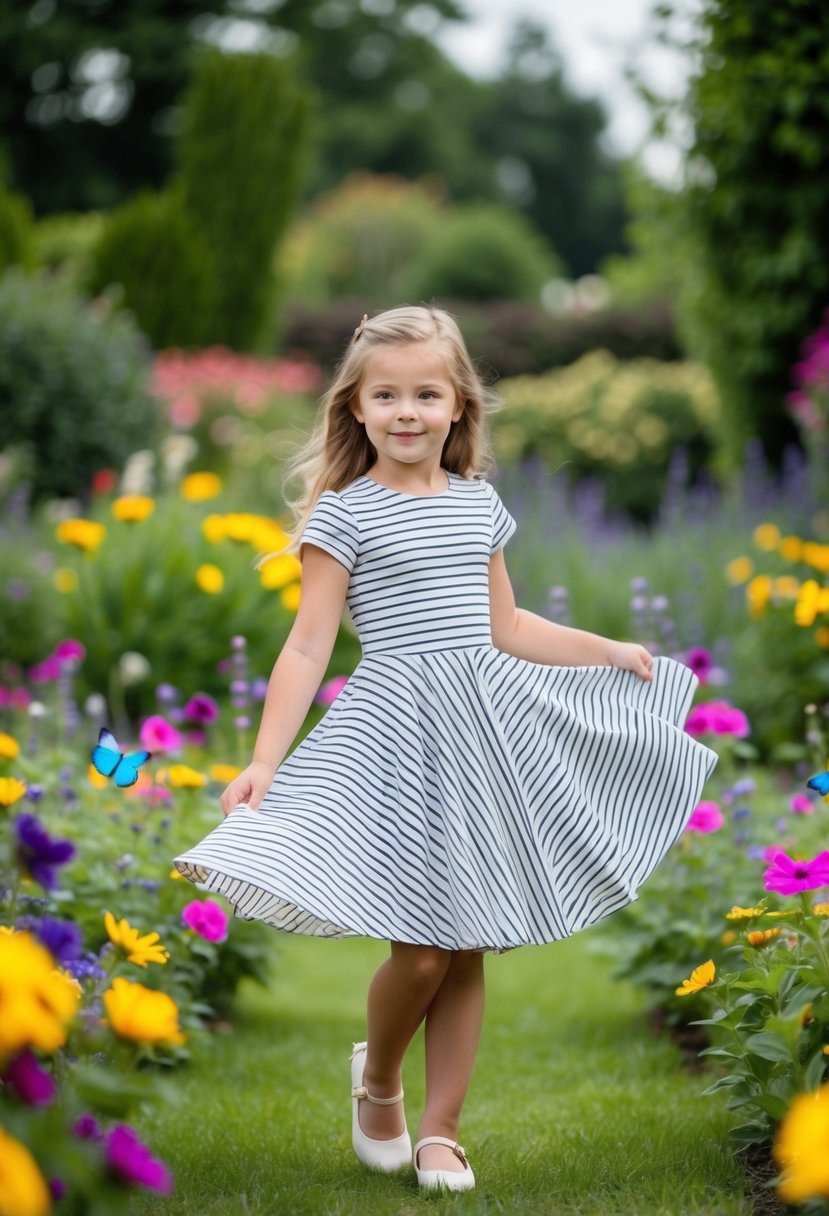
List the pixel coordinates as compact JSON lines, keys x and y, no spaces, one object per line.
{"x":70,"y":649}
{"x":32,"y":1084}
{"x":38,"y":854}
{"x":62,"y":938}
{"x":788,"y":876}
{"x":87,"y":1127}
{"x":201,"y":709}
{"x":133,"y":1162}
{"x":700,"y":661}
{"x":167,"y":694}
{"x":57,"y":1189}
{"x":744,"y":786}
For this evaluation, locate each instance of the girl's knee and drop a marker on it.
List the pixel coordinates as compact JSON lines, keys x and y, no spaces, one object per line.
{"x":423,"y":966}
{"x":467,"y":962}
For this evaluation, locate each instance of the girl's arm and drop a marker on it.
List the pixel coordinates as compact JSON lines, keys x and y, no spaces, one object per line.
{"x":531,"y":637}
{"x":296,"y":676}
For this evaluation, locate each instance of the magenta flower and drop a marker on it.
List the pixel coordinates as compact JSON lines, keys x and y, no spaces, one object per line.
{"x":30,"y":1082}
{"x":133,"y":1162}
{"x":717,"y":718}
{"x":201,"y":709}
{"x":157,"y":735}
{"x":707,"y":817}
{"x":789,"y":877}
{"x":801,"y":804}
{"x":207,"y":918}
{"x":330,"y":690}
{"x":700,"y":661}
{"x":87,"y":1127}
{"x":70,"y":649}
{"x":38,"y":855}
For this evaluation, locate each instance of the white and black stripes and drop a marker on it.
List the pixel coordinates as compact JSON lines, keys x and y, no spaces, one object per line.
{"x":455,"y":795}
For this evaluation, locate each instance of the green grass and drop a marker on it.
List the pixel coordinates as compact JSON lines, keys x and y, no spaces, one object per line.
{"x":575,"y":1108}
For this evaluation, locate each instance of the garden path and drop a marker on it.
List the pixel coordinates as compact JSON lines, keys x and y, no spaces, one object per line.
{"x":576,"y":1109}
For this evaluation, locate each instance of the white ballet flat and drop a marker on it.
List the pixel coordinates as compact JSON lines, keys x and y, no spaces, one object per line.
{"x":385,"y":1155}
{"x":446,"y":1180}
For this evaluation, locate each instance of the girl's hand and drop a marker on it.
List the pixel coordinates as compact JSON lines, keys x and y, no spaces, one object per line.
{"x":249,"y":787}
{"x":630,"y":656}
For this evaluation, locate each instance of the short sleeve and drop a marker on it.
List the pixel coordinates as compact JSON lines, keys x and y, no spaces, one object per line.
{"x":333,"y":528}
{"x":503,"y":525}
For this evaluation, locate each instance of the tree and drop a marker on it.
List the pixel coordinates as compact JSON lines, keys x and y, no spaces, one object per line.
{"x":756,"y":202}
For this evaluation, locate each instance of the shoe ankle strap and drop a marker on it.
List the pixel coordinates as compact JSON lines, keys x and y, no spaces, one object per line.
{"x":459,"y":1152}
{"x":360,"y":1091}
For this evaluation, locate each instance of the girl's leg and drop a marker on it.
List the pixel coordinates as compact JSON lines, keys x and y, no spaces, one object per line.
{"x":399,"y":995}
{"x":453,"y":1029}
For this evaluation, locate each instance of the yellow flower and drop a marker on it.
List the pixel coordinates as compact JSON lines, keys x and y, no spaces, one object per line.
{"x":822,"y":637}
{"x":138,"y":949}
{"x":808,"y":603}
{"x":739,"y":570}
{"x":767,"y":536}
{"x":213,"y":528}
{"x":761,"y":937}
{"x":182,"y":776}
{"x":239,"y":525}
{"x":700,"y":978}
{"x":38,"y":1002}
{"x":176,"y":874}
{"x":277,"y":572}
{"x":11,"y":791}
{"x":290,"y":597}
{"x":816,"y":555}
{"x":728,"y":937}
{"x":65,"y":581}
{"x":820,"y":909}
{"x":23,"y":1189}
{"x":96,"y":779}
{"x":9,"y":747}
{"x":140,"y":1014}
{"x":786,"y":587}
{"x":224,"y":773}
{"x":758,"y":594}
{"x":791,"y":548}
{"x":83,"y":533}
{"x":738,"y":913}
{"x":198,"y":487}
{"x":210,"y":579}
{"x":132,"y":508}
{"x":801,"y":1148}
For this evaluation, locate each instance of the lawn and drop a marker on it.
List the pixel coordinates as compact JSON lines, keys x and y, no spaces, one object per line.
{"x":575,"y":1108}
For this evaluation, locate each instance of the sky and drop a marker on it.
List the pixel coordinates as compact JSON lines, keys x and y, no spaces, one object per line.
{"x":597,"y":39}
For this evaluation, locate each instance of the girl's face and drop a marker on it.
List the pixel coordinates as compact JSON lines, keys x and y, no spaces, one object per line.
{"x":407,"y":404}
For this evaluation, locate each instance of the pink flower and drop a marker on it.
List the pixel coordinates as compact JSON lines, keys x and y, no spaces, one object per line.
{"x":207,"y":918}
{"x":789,"y":877}
{"x":70,"y":649}
{"x":330,"y":690}
{"x":133,"y":1162}
{"x":31,"y":1082}
{"x":717,"y":718}
{"x":700,"y":661}
{"x":201,"y":709}
{"x":157,"y":735}
{"x":801,"y":804}
{"x":707,"y":817}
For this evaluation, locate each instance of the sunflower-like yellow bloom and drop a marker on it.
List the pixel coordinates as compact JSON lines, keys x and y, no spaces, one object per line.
{"x":767,"y":536}
{"x":199,"y":487}
{"x":700,"y":978}
{"x":821,"y":909}
{"x":65,"y":581}
{"x":739,"y":570}
{"x":9,"y":747}
{"x":38,"y":1001}
{"x":738,"y":913}
{"x":213,"y":528}
{"x":277,"y":572}
{"x":816,"y":555}
{"x":801,"y":1148}
{"x":210,"y":579}
{"x":761,"y":937}
{"x":790,"y":548}
{"x":290,"y":597}
{"x":11,"y":790}
{"x":84,"y":534}
{"x":23,"y":1189}
{"x":182,"y":776}
{"x":142,"y":1015}
{"x":758,"y":594}
{"x":137,"y":948}
{"x":132,"y":508}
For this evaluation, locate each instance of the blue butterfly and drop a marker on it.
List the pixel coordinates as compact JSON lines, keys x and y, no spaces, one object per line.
{"x":819,"y":782}
{"x":110,"y":761}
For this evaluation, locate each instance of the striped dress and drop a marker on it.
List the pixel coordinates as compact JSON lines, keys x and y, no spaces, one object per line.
{"x":454,"y":795}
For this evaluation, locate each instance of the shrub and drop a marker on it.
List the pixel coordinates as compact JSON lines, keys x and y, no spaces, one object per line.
{"x":483,"y":253}
{"x":153,"y":251}
{"x":16,"y":224}
{"x":64,"y":244}
{"x":618,"y":422}
{"x":73,"y":385}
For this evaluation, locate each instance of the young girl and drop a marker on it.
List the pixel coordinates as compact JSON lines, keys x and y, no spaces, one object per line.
{"x":486,"y":779}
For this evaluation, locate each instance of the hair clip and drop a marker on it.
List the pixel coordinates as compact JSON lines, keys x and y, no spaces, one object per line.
{"x":358,"y":331}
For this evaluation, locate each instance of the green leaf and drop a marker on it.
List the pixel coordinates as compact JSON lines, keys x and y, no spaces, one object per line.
{"x":769,"y":1046}
{"x":749,"y":1133}
{"x":815,"y":1069}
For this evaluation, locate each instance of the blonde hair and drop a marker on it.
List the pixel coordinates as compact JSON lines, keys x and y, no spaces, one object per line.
{"x":339,"y":450}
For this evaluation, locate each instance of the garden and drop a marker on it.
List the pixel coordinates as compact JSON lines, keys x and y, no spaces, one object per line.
{"x":662,"y":442}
